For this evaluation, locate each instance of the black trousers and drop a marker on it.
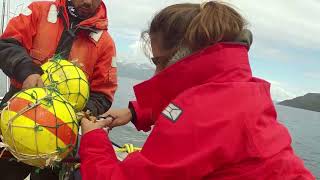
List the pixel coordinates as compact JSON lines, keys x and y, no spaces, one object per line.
{"x":12,"y":170}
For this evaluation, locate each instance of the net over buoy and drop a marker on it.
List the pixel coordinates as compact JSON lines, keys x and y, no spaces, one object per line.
{"x":70,"y":81}
{"x":39,"y":127}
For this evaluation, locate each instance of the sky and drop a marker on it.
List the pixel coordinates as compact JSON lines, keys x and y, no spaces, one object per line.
{"x":286,"y":46}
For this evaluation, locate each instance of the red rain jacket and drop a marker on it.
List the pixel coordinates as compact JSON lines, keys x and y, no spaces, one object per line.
{"x":212,"y":120}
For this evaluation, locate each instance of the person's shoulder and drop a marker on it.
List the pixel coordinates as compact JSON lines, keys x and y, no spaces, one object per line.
{"x":107,"y":37}
{"x":222,"y":94}
{"x":43,"y":3}
{"x":103,"y":41}
{"x":103,"y":37}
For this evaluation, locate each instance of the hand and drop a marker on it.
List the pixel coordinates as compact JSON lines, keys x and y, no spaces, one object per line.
{"x":121,"y":117}
{"x":34,"y":80}
{"x":91,"y":124}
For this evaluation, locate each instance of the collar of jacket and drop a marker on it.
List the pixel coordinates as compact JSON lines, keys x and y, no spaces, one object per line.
{"x":98,"y":21}
{"x":220,"y":63}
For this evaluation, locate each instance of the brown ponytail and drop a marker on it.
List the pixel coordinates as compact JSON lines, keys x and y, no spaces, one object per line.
{"x":196,"y":26}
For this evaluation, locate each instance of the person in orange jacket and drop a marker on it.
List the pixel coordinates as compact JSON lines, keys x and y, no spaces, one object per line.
{"x":72,"y":29}
{"x":212,"y":120}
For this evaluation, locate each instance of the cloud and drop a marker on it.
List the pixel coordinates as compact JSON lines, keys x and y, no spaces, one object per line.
{"x":313,"y":75}
{"x":280,"y":94}
{"x":283,"y":31}
{"x":287,"y":22}
{"x":277,"y":25}
{"x":281,"y":28}
{"x":279,"y":91}
{"x":282,"y":91}
{"x":127,"y":21}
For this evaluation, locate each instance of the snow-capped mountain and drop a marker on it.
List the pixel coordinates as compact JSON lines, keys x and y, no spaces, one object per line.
{"x":135,"y":71}
{"x":144,"y":71}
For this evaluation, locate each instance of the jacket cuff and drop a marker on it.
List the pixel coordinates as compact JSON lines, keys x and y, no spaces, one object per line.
{"x":23,"y":70}
{"x":133,"y":113}
{"x":141,"y":117}
{"x":98,"y":104}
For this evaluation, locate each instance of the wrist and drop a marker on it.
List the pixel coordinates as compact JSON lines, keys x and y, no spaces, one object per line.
{"x":23,"y":70}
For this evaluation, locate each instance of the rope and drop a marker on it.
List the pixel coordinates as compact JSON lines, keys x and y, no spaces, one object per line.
{"x":4,"y":146}
{"x":128,"y":148}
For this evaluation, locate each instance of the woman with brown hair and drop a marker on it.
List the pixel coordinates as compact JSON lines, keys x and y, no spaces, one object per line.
{"x":212,"y":119}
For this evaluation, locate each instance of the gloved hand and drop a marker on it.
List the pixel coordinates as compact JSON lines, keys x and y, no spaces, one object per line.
{"x":97,"y":104}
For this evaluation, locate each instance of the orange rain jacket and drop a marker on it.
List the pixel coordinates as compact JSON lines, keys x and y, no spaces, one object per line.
{"x":34,"y":36}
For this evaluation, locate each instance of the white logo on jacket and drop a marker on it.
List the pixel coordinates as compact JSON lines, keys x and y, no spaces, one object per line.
{"x":96,"y":35}
{"x":172,"y":112}
{"x":114,"y":62}
{"x":53,"y":14}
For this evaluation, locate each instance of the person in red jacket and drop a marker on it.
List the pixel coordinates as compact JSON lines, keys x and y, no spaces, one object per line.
{"x":73,"y":29}
{"x":211,"y":118}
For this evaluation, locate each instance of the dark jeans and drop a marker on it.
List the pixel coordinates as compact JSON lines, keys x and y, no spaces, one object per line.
{"x":12,"y":170}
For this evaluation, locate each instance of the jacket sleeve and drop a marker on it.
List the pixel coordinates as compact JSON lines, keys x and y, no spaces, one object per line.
{"x":104,"y":78}
{"x":198,"y":138}
{"x":99,"y":162}
{"x":157,"y":160}
{"x":172,"y":151}
{"x":98,"y":104}
{"x":16,"y":42}
{"x":141,"y":117}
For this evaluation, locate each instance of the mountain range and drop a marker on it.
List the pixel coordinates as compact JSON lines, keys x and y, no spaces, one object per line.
{"x":135,"y":71}
{"x":309,"y":101}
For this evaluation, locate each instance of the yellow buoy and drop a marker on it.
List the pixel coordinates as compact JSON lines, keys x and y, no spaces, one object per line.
{"x":70,"y":81}
{"x":39,"y":126}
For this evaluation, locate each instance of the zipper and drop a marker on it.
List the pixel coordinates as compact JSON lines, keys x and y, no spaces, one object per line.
{"x":68,"y":35}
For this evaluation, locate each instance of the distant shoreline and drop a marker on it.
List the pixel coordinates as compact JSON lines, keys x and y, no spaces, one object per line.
{"x":309,"y":102}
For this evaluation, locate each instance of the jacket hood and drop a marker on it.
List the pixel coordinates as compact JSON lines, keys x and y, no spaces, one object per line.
{"x":220,"y":63}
